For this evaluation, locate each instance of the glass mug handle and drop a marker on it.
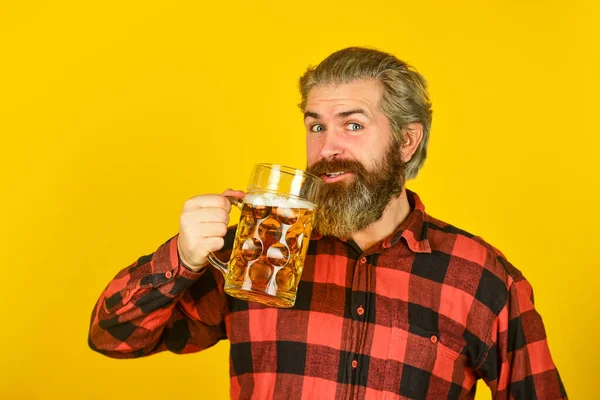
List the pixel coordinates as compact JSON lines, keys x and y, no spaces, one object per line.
{"x":220,"y":265}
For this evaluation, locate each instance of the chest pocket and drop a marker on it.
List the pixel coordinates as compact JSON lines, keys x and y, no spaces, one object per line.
{"x":417,"y":349}
{"x":414,"y":356}
{"x":421,"y":349}
{"x":426,"y":347}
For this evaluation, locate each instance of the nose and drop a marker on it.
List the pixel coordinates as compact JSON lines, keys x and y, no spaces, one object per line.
{"x":331,"y":146}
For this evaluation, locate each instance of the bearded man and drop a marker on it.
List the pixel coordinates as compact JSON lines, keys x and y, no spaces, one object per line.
{"x":393,"y":303}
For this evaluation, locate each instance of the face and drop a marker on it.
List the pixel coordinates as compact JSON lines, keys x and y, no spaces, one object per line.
{"x":344,"y":122}
{"x":350,"y":146}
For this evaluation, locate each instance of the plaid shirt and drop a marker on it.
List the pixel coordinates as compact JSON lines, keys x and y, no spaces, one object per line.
{"x":423,"y":314}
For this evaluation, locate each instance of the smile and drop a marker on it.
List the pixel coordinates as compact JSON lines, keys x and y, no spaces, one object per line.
{"x":334,"y":174}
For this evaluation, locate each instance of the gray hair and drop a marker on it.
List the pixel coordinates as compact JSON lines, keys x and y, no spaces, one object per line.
{"x":404,"y":101}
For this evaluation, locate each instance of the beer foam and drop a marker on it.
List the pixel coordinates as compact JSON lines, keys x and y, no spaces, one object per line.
{"x":273,"y":200}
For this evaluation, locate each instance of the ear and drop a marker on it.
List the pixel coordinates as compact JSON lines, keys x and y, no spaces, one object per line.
{"x":411,"y":137}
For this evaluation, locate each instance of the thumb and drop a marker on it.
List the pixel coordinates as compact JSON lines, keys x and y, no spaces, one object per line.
{"x":234,"y":193}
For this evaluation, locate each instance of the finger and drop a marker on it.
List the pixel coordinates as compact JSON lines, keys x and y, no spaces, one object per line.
{"x":235,"y":193}
{"x":212,"y":244}
{"x":211,"y":229}
{"x":207,"y":201}
{"x":202,"y":215}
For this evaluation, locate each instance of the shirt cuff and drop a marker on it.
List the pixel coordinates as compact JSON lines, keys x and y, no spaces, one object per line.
{"x":166,"y":266}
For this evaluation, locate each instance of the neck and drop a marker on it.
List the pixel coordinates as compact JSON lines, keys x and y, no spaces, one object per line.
{"x":394,"y":214}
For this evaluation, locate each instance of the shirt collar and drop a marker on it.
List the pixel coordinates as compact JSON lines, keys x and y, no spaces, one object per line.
{"x":414,"y":229}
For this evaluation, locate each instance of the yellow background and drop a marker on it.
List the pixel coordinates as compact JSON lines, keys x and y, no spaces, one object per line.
{"x":113,"y":113}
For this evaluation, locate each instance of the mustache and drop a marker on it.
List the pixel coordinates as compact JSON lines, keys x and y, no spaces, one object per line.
{"x":324,"y":166}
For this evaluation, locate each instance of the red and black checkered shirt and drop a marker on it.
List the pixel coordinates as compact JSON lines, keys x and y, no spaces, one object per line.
{"x":423,"y":314}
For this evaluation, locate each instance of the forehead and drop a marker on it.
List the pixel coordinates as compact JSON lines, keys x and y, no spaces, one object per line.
{"x":363,"y":92}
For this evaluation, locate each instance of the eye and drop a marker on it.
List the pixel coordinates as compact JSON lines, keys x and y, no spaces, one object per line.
{"x":353,"y":126}
{"x":317,"y":128}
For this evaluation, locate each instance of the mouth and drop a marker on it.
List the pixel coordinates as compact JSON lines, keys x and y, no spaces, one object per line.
{"x":330,"y":177}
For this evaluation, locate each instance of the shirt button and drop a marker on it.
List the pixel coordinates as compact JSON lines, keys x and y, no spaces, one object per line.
{"x":168,"y":274}
{"x":363,"y":260}
{"x":354,"y":364}
{"x":434,"y":339}
{"x":360,"y":310}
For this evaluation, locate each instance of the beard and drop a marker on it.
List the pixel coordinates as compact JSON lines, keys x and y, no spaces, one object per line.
{"x":344,"y":208}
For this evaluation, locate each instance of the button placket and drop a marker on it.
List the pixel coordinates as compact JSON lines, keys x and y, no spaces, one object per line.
{"x":359,"y":298}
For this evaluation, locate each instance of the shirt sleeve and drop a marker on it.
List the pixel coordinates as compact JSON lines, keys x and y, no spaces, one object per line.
{"x":157,"y":304}
{"x":518,"y":364}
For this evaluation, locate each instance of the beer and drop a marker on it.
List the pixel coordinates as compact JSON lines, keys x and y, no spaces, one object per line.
{"x":269,"y":249}
{"x":272,"y":236}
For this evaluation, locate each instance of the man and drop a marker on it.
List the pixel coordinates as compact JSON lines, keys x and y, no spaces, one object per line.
{"x":393,"y":303}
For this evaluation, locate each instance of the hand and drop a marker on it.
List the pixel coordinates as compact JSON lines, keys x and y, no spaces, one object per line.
{"x":202,"y":226}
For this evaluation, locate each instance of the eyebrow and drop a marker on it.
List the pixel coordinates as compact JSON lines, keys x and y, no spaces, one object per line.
{"x":311,"y":114}
{"x":342,"y":114}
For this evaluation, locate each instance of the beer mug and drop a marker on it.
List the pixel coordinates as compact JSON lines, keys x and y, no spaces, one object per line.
{"x":272,"y":236}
